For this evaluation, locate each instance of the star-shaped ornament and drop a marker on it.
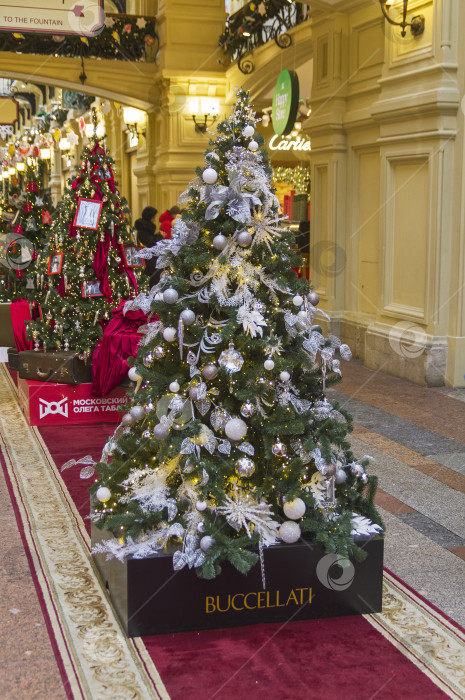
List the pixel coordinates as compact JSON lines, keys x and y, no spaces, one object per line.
{"x":261,"y":8}
{"x":141,"y":22}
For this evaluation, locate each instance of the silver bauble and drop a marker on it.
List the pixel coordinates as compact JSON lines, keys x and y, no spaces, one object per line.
{"x":127,"y":420}
{"x":231,"y":359}
{"x":220,"y":241}
{"x":247,"y":409}
{"x":244,"y":467}
{"x":187,"y":317}
{"x":294,"y":509}
{"x":235,"y":429}
{"x":279,"y":449}
{"x":158,"y":352}
{"x":169,"y":334}
{"x":313,"y":298}
{"x":137,"y":412}
{"x":218,"y":418}
{"x":161,"y":431}
{"x":289,"y":531}
{"x":170,"y":296}
{"x":148,"y":359}
{"x":210,"y":371}
{"x":244,"y":239}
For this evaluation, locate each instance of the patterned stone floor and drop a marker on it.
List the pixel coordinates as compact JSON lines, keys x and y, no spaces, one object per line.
{"x":417,"y":438}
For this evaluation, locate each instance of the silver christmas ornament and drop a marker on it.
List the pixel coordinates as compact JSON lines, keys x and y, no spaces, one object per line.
{"x":248,"y":131}
{"x":187,"y":317}
{"x":169,"y":334}
{"x":148,"y":359}
{"x":161,"y":431}
{"x":294,"y":510}
{"x":159,"y":352}
{"x":103,"y":494}
{"x":247,"y":409}
{"x":235,"y":429}
{"x":231,"y":359}
{"x":137,"y":412}
{"x":170,"y":296}
{"x":244,"y":239}
{"x":268,"y":364}
{"x":218,"y":418}
{"x":313,"y":298}
{"x":127,"y":420}
{"x":244,"y":467}
{"x":133,"y":374}
{"x":209,"y":176}
{"x":210,"y":371}
{"x":174,"y":387}
{"x":220,"y":241}
{"x":289,"y":532}
{"x":279,"y":449}
{"x":284,"y":376}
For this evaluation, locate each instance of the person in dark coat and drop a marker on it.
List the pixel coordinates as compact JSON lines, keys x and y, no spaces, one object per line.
{"x":147,"y":237}
{"x":166,"y":221}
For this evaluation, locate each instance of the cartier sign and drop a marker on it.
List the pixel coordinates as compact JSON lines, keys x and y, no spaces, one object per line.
{"x":277,"y":143}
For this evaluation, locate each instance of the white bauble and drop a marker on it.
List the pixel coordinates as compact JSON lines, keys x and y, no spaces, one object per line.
{"x":137,"y":412}
{"x":174,"y":387}
{"x":187,"y":317}
{"x":248,"y":131}
{"x":268,"y":364}
{"x":253,"y":145}
{"x":161,"y":431}
{"x":209,"y":176}
{"x":303,"y":315}
{"x":133,"y":374}
{"x":284,"y":376}
{"x":169,"y":334}
{"x":170,"y":296}
{"x":341,"y":476}
{"x":103,"y":494}
{"x":289,"y":531}
{"x":235,"y":429}
{"x":158,"y":296}
{"x":206,"y":542}
{"x":127,"y":420}
{"x":201,"y":505}
{"x":294,"y":509}
{"x":201,"y":526}
{"x":298,"y":300}
{"x":220,"y":241}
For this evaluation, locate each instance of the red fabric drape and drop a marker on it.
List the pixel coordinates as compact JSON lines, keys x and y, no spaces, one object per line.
{"x":20,"y":312}
{"x":120,"y":341}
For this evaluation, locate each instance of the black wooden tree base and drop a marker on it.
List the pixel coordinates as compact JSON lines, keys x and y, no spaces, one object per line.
{"x":302,"y":582}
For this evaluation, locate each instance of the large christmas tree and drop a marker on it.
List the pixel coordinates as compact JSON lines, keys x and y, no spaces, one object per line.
{"x":230,"y":443}
{"x":88,"y":265}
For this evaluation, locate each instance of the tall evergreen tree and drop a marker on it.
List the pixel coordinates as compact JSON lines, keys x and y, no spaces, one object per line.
{"x":83,"y":272}
{"x":230,"y":443}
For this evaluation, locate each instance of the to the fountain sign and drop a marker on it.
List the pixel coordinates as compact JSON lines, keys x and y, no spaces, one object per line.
{"x":285,"y":102}
{"x":58,"y":17}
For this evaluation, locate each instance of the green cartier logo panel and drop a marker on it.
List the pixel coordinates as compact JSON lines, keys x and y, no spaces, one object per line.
{"x":285,"y":102}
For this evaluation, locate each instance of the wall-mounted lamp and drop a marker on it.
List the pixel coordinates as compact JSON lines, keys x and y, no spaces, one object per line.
{"x":20,"y":167}
{"x":11,"y":172}
{"x":204,"y":108}
{"x":134,"y":119}
{"x":45,"y":153}
{"x":64,"y":144}
{"x":417,"y":25}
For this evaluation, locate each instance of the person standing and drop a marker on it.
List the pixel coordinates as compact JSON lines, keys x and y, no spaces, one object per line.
{"x":166,"y":221}
{"x":147,"y":237}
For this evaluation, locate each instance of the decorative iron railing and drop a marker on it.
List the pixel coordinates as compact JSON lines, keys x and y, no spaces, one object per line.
{"x":123,"y":38}
{"x":256,"y":24}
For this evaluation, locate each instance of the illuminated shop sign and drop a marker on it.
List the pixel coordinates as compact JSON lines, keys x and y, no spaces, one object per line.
{"x":277,"y":143}
{"x":285,"y":102}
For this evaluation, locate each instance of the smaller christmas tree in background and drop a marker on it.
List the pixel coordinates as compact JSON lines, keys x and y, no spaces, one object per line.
{"x":89,"y":264}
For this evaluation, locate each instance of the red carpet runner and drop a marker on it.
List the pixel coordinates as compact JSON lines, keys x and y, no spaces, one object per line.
{"x":341,"y":658}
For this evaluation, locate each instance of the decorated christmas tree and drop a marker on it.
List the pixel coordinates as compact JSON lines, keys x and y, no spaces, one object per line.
{"x":230,"y":443}
{"x":89,"y":264}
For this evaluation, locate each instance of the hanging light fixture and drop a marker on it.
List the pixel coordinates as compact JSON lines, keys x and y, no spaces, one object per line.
{"x":417,"y":25}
